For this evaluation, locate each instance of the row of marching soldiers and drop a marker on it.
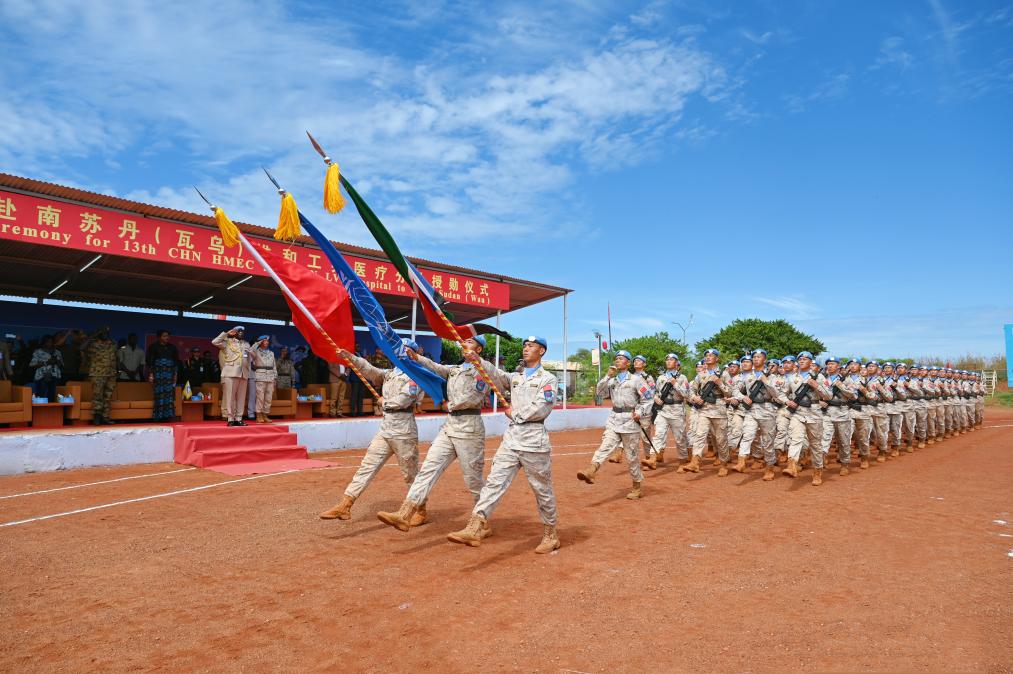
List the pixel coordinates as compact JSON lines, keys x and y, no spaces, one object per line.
{"x":786,"y":412}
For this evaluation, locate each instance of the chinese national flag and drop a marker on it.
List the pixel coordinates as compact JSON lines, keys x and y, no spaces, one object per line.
{"x":325,"y":300}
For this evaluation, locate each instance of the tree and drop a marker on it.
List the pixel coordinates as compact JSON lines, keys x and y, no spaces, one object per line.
{"x":779,"y":338}
{"x":509,"y":351}
{"x":654,"y":347}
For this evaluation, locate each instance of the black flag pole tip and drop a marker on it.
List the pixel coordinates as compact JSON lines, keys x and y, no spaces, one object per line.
{"x":205,"y":199}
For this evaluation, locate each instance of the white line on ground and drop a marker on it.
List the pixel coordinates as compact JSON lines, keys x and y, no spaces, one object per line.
{"x":91,"y":484}
{"x":999,"y":426}
{"x":142,"y":498}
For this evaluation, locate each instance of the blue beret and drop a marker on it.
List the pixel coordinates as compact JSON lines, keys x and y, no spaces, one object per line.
{"x":854,"y":360}
{"x":788,"y":359}
{"x":756,"y":351}
{"x":641,"y":358}
{"x":745,"y":358}
{"x":887,"y":364}
{"x":805,"y":354}
{"x":480,"y":339}
{"x":672,"y":355}
{"x":828,"y":360}
{"x":714,"y":351}
{"x":541,"y":341}
{"x":701,"y":362}
{"x":263,"y":337}
{"x":239,"y":328}
{"x":774,"y":361}
{"x":625,"y":354}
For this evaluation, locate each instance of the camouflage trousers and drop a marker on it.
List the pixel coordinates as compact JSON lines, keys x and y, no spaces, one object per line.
{"x":664,"y":425}
{"x":735,"y":423}
{"x":470,"y":452}
{"x":862,"y":432}
{"x":538,"y":469}
{"x":406,"y":450}
{"x":781,"y":426}
{"x":102,"y":389}
{"x":844,"y":427}
{"x":925,"y":423}
{"x":610,"y":440}
{"x":705,"y":426}
{"x":759,"y":422}
{"x":805,"y":429}
{"x":896,"y":428}
{"x":881,"y":431}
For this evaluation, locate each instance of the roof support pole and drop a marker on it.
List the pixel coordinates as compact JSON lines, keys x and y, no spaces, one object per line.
{"x":495,"y":398}
{"x":566,"y":346}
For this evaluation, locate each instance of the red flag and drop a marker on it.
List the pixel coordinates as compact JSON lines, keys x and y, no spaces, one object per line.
{"x":327,"y":302}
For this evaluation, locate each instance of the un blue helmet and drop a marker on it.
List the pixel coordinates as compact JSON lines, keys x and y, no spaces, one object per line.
{"x":480,"y":339}
{"x":625,"y":354}
{"x":714,"y":351}
{"x":756,"y":351}
{"x":540,"y":341}
{"x":642,"y":359}
{"x":788,"y":359}
{"x":827,"y":360}
{"x":672,"y":355}
{"x":745,"y":358}
{"x":805,"y":354}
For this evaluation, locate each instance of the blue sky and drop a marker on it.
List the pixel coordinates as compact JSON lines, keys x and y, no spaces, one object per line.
{"x":846,"y":166}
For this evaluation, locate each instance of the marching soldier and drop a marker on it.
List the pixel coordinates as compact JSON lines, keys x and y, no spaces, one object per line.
{"x":707,"y":395}
{"x":737,"y":372}
{"x":398,"y":435}
{"x":838,"y":415}
{"x":234,"y":359}
{"x":100,"y":359}
{"x":462,"y":437}
{"x":933,"y":432}
{"x":759,"y":396}
{"x":672,"y":414}
{"x":623,"y":425}
{"x":264,"y":374}
{"x":525,"y":445}
{"x":895,"y":410}
{"x":805,"y":390}
{"x":861,"y":410}
{"x":913,"y":417}
{"x":881,"y":410}
{"x":785,"y":367}
{"x":646,"y":389}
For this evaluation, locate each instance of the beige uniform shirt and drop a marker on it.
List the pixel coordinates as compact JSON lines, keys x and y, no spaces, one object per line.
{"x":678,"y":394}
{"x":714,"y":410}
{"x":625,"y":395}
{"x":466,"y":390}
{"x":233,"y":356}
{"x":531,"y":401}
{"x":263,"y":364}
{"x":400,"y":393}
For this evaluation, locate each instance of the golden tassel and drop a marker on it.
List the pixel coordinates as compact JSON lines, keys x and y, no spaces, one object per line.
{"x":288,"y":220}
{"x":333,"y":199}
{"x":230,"y":233}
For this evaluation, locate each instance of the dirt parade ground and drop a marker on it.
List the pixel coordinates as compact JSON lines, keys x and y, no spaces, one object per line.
{"x":907,"y":566}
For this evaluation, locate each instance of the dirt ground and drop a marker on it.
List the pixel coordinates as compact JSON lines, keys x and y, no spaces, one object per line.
{"x":905,"y":567}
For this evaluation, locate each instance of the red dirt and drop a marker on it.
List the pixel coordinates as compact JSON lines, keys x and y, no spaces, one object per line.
{"x":900,"y":567}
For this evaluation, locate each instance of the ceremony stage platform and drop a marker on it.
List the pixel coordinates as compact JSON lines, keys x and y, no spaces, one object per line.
{"x":26,"y":450}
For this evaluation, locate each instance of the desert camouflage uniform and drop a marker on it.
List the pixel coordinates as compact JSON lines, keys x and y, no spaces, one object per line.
{"x":100,"y":355}
{"x":881,"y":412}
{"x":920,"y":405}
{"x":838,"y":416}
{"x":861,"y":415}
{"x":806,"y":423}
{"x":711,"y":418}
{"x":621,"y":428}
{"x":735,"y":411}
{"x":672,"y":416}
{"x":761,"y":417}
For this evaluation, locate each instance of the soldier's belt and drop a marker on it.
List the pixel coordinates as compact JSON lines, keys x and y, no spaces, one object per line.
{"x":393,"y":410}
{"x":262,"y":367}
{"x":466,"y":413}
{"x":523,"y":423}
{"x":835,"y":403}
{"x":622,"y":410}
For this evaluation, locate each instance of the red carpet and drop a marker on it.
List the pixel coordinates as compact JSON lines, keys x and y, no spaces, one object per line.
{"x":242,"y":450}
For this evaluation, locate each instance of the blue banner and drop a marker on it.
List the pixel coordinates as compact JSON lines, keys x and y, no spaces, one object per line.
{"x":372,"y":313}
{"x":1008,"y":329}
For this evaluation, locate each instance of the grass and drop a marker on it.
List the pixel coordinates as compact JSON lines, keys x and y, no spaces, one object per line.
{"x":1001,"y":398}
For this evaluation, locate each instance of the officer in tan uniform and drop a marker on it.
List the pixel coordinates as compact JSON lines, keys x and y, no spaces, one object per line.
{"x":461,"y":437}
{"x":672,"y":414}
{"x":525,"y":445}
{"x":837,"y":417}
{"x":930,"y":390}
{"x":623,"y":425}
{"x":234,"y":359}
{"x":758,"y":396}
{"x":707,"y":395}
{"x":861,"y":410}
{"x":646,"y":388}
{"x":895,"y":410}
{"x":786,"y":367}
{"x":914,"y":417}
{"x":265,"y":375}
{"x":100,"y":360}
{"x":805,"y":391}
{"x":398,"y":435}
{"x":881,"y":410}
{"x":732,"y":377}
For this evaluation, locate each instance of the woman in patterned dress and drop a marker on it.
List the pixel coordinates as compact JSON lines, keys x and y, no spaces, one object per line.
{"x":163,"y":364}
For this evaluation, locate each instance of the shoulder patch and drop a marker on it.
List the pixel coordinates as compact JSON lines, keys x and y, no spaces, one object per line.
{"x":548,"y":393}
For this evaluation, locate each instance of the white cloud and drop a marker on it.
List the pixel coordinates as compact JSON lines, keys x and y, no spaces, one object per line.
{"x":794,"y":306}
{"x":893,"y":54}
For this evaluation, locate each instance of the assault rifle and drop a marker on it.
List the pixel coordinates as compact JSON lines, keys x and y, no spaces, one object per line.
{"x":663,"y":394}
{"x":802,"y":394}
{"x":756,"y":387}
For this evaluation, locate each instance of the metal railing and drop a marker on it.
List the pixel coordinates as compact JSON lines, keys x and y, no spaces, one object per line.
{"x":989,"y":380}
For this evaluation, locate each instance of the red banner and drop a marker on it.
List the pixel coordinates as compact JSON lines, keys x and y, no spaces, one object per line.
{"x":49,"y":222}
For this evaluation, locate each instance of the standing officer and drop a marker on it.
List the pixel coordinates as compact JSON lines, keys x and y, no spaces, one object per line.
{"x":265,"y":375}
{"x":525,"y":445}
{"x":234,"y":359}
{"x":805,"y":390}
{"x":931,"y":391}
{"x":707,"y":394}
{"x":462,"y":437}
{"x":398,"y":434}
{"x":672,"y":415}
{"x":759,"y":397}
{"x":838,"y":415}
{"x":623,"y":425}
{"x":100,"y":359}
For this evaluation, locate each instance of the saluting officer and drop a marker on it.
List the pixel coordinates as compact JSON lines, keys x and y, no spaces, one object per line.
{"x":646,"y":389}
{"x":234,"y":359}
{"x":398,"y":435}
{"x":623,"y":425}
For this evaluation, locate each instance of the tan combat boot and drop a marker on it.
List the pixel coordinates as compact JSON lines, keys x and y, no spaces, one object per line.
{"x":692,"y":467}
{"x":650,"y":463}
{"x":661,"y":457}
{"x":401,"y":520}
{"x":864,"y":463}
{"x":895,"y":451}
{"x":420,"y":516}
{"x":844,"y":469}
{"x":758,"y":464}
{"x":486,"y":531}
{"x":930,"y":441}
{"x":717,"y":461}
{"x":723,"y":470}
{"x":740,"y":465}
{"x":817,"y":477}
{"x":768,"y":474}
{"x":616,"y":456}
{"x":791,"y":470}
{"x":588,"y":475}
{"x":881,"y":457}
{"x":635,"y":493}
{"x":921,"y":445}
{"x":342,"y":511}
{"x":550,"y":539}
{"x":471,"y":534}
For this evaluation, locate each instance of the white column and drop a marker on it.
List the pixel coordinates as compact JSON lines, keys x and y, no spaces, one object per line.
{"x":495,"y":398}
{"x":415,"y":307}
{"x":566,"y":345}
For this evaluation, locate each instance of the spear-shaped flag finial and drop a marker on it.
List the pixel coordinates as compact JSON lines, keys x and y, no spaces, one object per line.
{"x":333,"y":200}
{"x":227,"y":228}
{"x":288,"y":219}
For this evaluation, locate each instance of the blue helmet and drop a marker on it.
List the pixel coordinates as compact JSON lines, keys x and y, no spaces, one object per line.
{"x":805,"y":354}
{"x":642,"y":359}
{"x":714,"y":351}
{"x":540,"y":341}
{"x":625,"y":354}
{"x":480,"y":339}
{"x":756,"y":351}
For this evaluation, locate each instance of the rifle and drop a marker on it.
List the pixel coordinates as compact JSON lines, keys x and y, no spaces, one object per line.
{"x":663,"y":394}
{"x":802,"y":394}
{"x":756,"y":387}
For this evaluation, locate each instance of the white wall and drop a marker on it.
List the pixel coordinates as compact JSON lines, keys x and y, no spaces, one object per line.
{"x":37,"y":451}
